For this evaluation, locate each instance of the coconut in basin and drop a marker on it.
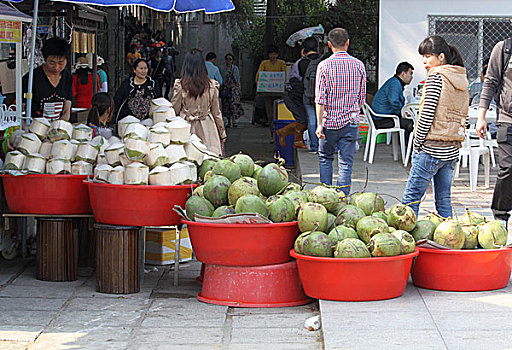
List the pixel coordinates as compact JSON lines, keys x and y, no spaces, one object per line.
{"x":195,"y":151}
{"x":58,"y":166}
{"x":63,"y":149}
{"x":123,"y":124}
{"x":148,"y":122}
{"x":75,"y":144}
{"x":60,"y":130}
{"x":29,"y":143}
{"x":159,"y":102}
{"x":157,"y":155}
{"x":162,"y":113}
{"x":116,"y":175}
{"x":113,"y":139}
{"x":136,"y":173}
{"x":113,"y":152}
{"x":14,"y":160}
{"x":82,"y":132}
{"x":34,"y":163}
{"x":180,"y":131}
{"x":87,"y":153}
{"x":101,"y":159}
{"x":135,"y":149}
{"x":125,"y":161}
{"x":81,"y":168}
{"x":40,"y":127}
{"x":160,"y":176}
{"x":175,"y":153}
{"x":160,"y":135}
{"x":179,"y":173}
{"x":136,"y":131}
{"x":15,"y":138}
{"x":101,"y":173}
{"x":46,"y":149}
{"x":192,"y":177}
{"x":100,"y":143}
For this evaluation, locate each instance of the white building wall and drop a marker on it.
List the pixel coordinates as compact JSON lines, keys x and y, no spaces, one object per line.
{"x":403,"y":24}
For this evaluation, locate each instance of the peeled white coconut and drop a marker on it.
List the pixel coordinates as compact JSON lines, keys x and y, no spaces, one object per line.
{"x":147,"y":122}
{"x":63,"y":149}
{"x":192,"y":172}
{"x":34,"y":163}
{"x":160,"y":135}
{"x":136,"y":131}
{"x":163,"y":113}
{"x":125,"y":161}
{"x":135,"y":149}
{"x":159,"y":102}
{"x":60,"y":130}
{"x":58,"y":166}
{"x":180,"y":173}
{"x":123,"y":124}
{"x":116,"y":176}
{"x":160,"y":176}
{"x":101,"y":173}
{"x":81,"y":168}
{"x":160,"y":125}
{"x":87,"y":153}
{"x":46,"y":149}
{"x":29,"y":143}
{"x":82,"y":132}
{"x":113,"y":139}
{"x":100,"y":143}
{"x":40,"y":127}
{"x":15,"y":139}
{"x":157,"y":155}
{"x":136,"y":173}
{"x":180,"y":131}
{"x":195,"y":151}
{"x":101,"y":159}
{"x":112,"y":153}
{"x":14,"y":160}
{"x":175,"y":153}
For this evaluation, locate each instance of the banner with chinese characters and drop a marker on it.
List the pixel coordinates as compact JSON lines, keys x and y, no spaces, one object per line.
{"x":10,"y":31}
{"x":271,"y":82}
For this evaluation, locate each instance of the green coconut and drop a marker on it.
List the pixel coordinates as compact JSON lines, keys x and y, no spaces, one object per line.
{"x":299,"y":242}
{"x":297,"y":198}
{"x":331,"y":219}
{"x":207,"y":165}
{"x":317,"y":243}
{"x":450,"y":234}
{"x":207,"y":176}
{"x":216,"y":190}
{"x":198,"y":205}
{"x":281,"y":209}
{"x":381,"y":215}
{"x":198,"y":191}
{"x":471,"y":236}
{"x":406,"y":241}
{"x":223,"y":210}
{"x":312,"y":216}
{"x":353,"y":198}
{"x":435,"y":218}
{"x":369,"y":226}
{"x":227,"y":168}
{"x":251,"y":204}
{"x":272,"y":179}
{"x":349,"y":216}
{"x":242,"y":187}
{"x":384,"y":244}
{"x":256,"y":172}
{"x":245,"y":163}
{"x":492,"y":235}
{"x":471,"y":218}
{"x":351,"y":248}
{"x":402,"y":217}
{"x":370,"y":202}
{"x":340,"y":232}
{"x":424,"y":230}
{"x":328,"y":197}
{"x":292,"y":186}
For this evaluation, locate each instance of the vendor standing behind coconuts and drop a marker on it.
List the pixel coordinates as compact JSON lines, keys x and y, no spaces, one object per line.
{"x":135,"y":94}
{"x":196,"y":99}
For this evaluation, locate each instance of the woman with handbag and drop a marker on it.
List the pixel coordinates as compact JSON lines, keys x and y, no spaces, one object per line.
{"x":230,"y":92}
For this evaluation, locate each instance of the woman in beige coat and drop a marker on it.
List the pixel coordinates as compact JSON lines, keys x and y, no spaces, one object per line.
{"x":196,"y":99}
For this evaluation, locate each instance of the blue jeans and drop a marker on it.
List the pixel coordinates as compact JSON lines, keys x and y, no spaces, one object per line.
{"x":311,"y":112}
{"x":344,"y":140}
{"x":424,"y":168}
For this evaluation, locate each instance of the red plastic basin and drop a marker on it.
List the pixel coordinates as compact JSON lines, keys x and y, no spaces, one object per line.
{"x":354,"y":279}
{"x":137,"y":205}
{"x":462,"y":270}
{"x":254,"y":286}
{"x":242,"y":244}
{"x":46,"y":194}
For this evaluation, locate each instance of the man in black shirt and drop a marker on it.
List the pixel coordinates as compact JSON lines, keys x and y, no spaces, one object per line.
{"x":52,"y":88}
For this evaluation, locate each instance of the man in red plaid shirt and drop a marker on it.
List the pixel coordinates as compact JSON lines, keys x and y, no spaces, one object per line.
{"x":340,"y":93}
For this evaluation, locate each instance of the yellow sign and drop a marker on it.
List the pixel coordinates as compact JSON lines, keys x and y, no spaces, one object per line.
{"x":10,"y":31}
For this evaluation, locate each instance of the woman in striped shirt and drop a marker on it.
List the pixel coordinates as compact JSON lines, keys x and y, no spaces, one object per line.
{"x":441,"y":125}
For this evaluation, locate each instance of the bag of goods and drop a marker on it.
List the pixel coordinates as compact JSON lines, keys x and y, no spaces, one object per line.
{"x":157,"y":155}
{"x":82,"y":132}
{"x":135,"y":149}
{"x":195,"y":150}
{"x":180,"y":173}
{"x":148,"y":122}
{"x":34,"y":163}
{"x":60,"y":130}
{"x":159,"y":102}
{"x":116,"y":176}
{"x":160,"y":135}
{"x":101,"y":173}
{"x":14,"y":160}
{"x":136,"y":173}
{"x":40,"y":127}
{"x":58,"y":166}
{"x":163,"y":113}
{"x":175,"y":153}
{"x":100,"y":143}
{"x":160,"y":176}
{"x":46,"y":149}
{"x":180,"y":130}
{"x":63,"y":149}
{"x":123,"y":124}
{"x":87,"y":153}
{"x":81,"y":168}
{"x":135,"y":131}
{"x":113,"y":153}
{"x":29,"y":143}
{"x":192,"y":177}
{"x":101,"y":159}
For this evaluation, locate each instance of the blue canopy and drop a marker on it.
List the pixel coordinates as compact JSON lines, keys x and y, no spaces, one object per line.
{"x":209,"y":6}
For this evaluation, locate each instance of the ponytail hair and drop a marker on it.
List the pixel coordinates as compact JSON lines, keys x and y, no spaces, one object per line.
{"x":435,"y":45}
{"x":99,"y":105}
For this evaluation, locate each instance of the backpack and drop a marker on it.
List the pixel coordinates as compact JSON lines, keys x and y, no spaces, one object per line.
{"x":309,"y":80}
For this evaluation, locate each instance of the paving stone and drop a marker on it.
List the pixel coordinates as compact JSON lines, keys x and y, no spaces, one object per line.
{"x":15,"y":317}
{"x":284,"y":320}
{"x":296,"y":335}
{"x":22,"y":333}
{"x":85,"y":337}
{"x":8,"y":304}
{"x":164,"y":318}
{"x":51,"y":291}
{"x":104,"y":318}
{"x":478,"y":339}
{"x":112,"y":304}
{"x":178,"y":336}
{"x":13,"y":345}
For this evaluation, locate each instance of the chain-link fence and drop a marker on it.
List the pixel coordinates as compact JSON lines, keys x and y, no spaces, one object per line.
{"x":474,"y":36}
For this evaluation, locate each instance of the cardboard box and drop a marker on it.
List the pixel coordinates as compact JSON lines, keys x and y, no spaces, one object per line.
{"x":161,"y":246}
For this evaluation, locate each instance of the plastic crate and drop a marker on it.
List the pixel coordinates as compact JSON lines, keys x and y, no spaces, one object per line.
{"x":288,"y":152}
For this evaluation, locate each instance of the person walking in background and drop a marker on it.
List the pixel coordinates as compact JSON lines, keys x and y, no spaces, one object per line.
{"x":213,"y":70}
{"x":100,"y":115}
{"x":340,"y":94}
{"x":169,"y":72}
{"x":230,"y":92}
{"x":196,"y":99}
{"x":131,"y":57}
{"x":83,"y":84}
{"x":498,"y":82}
{"x":441,"y":125}
{"x":102,"y":74}
{"x":157,"y":71}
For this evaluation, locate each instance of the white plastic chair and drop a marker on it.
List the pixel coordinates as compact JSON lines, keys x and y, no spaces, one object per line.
{"x":489,"y":142}
{"x":410,"y":111}
{"x":473,"y":152}
{"x":373,"y":132}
